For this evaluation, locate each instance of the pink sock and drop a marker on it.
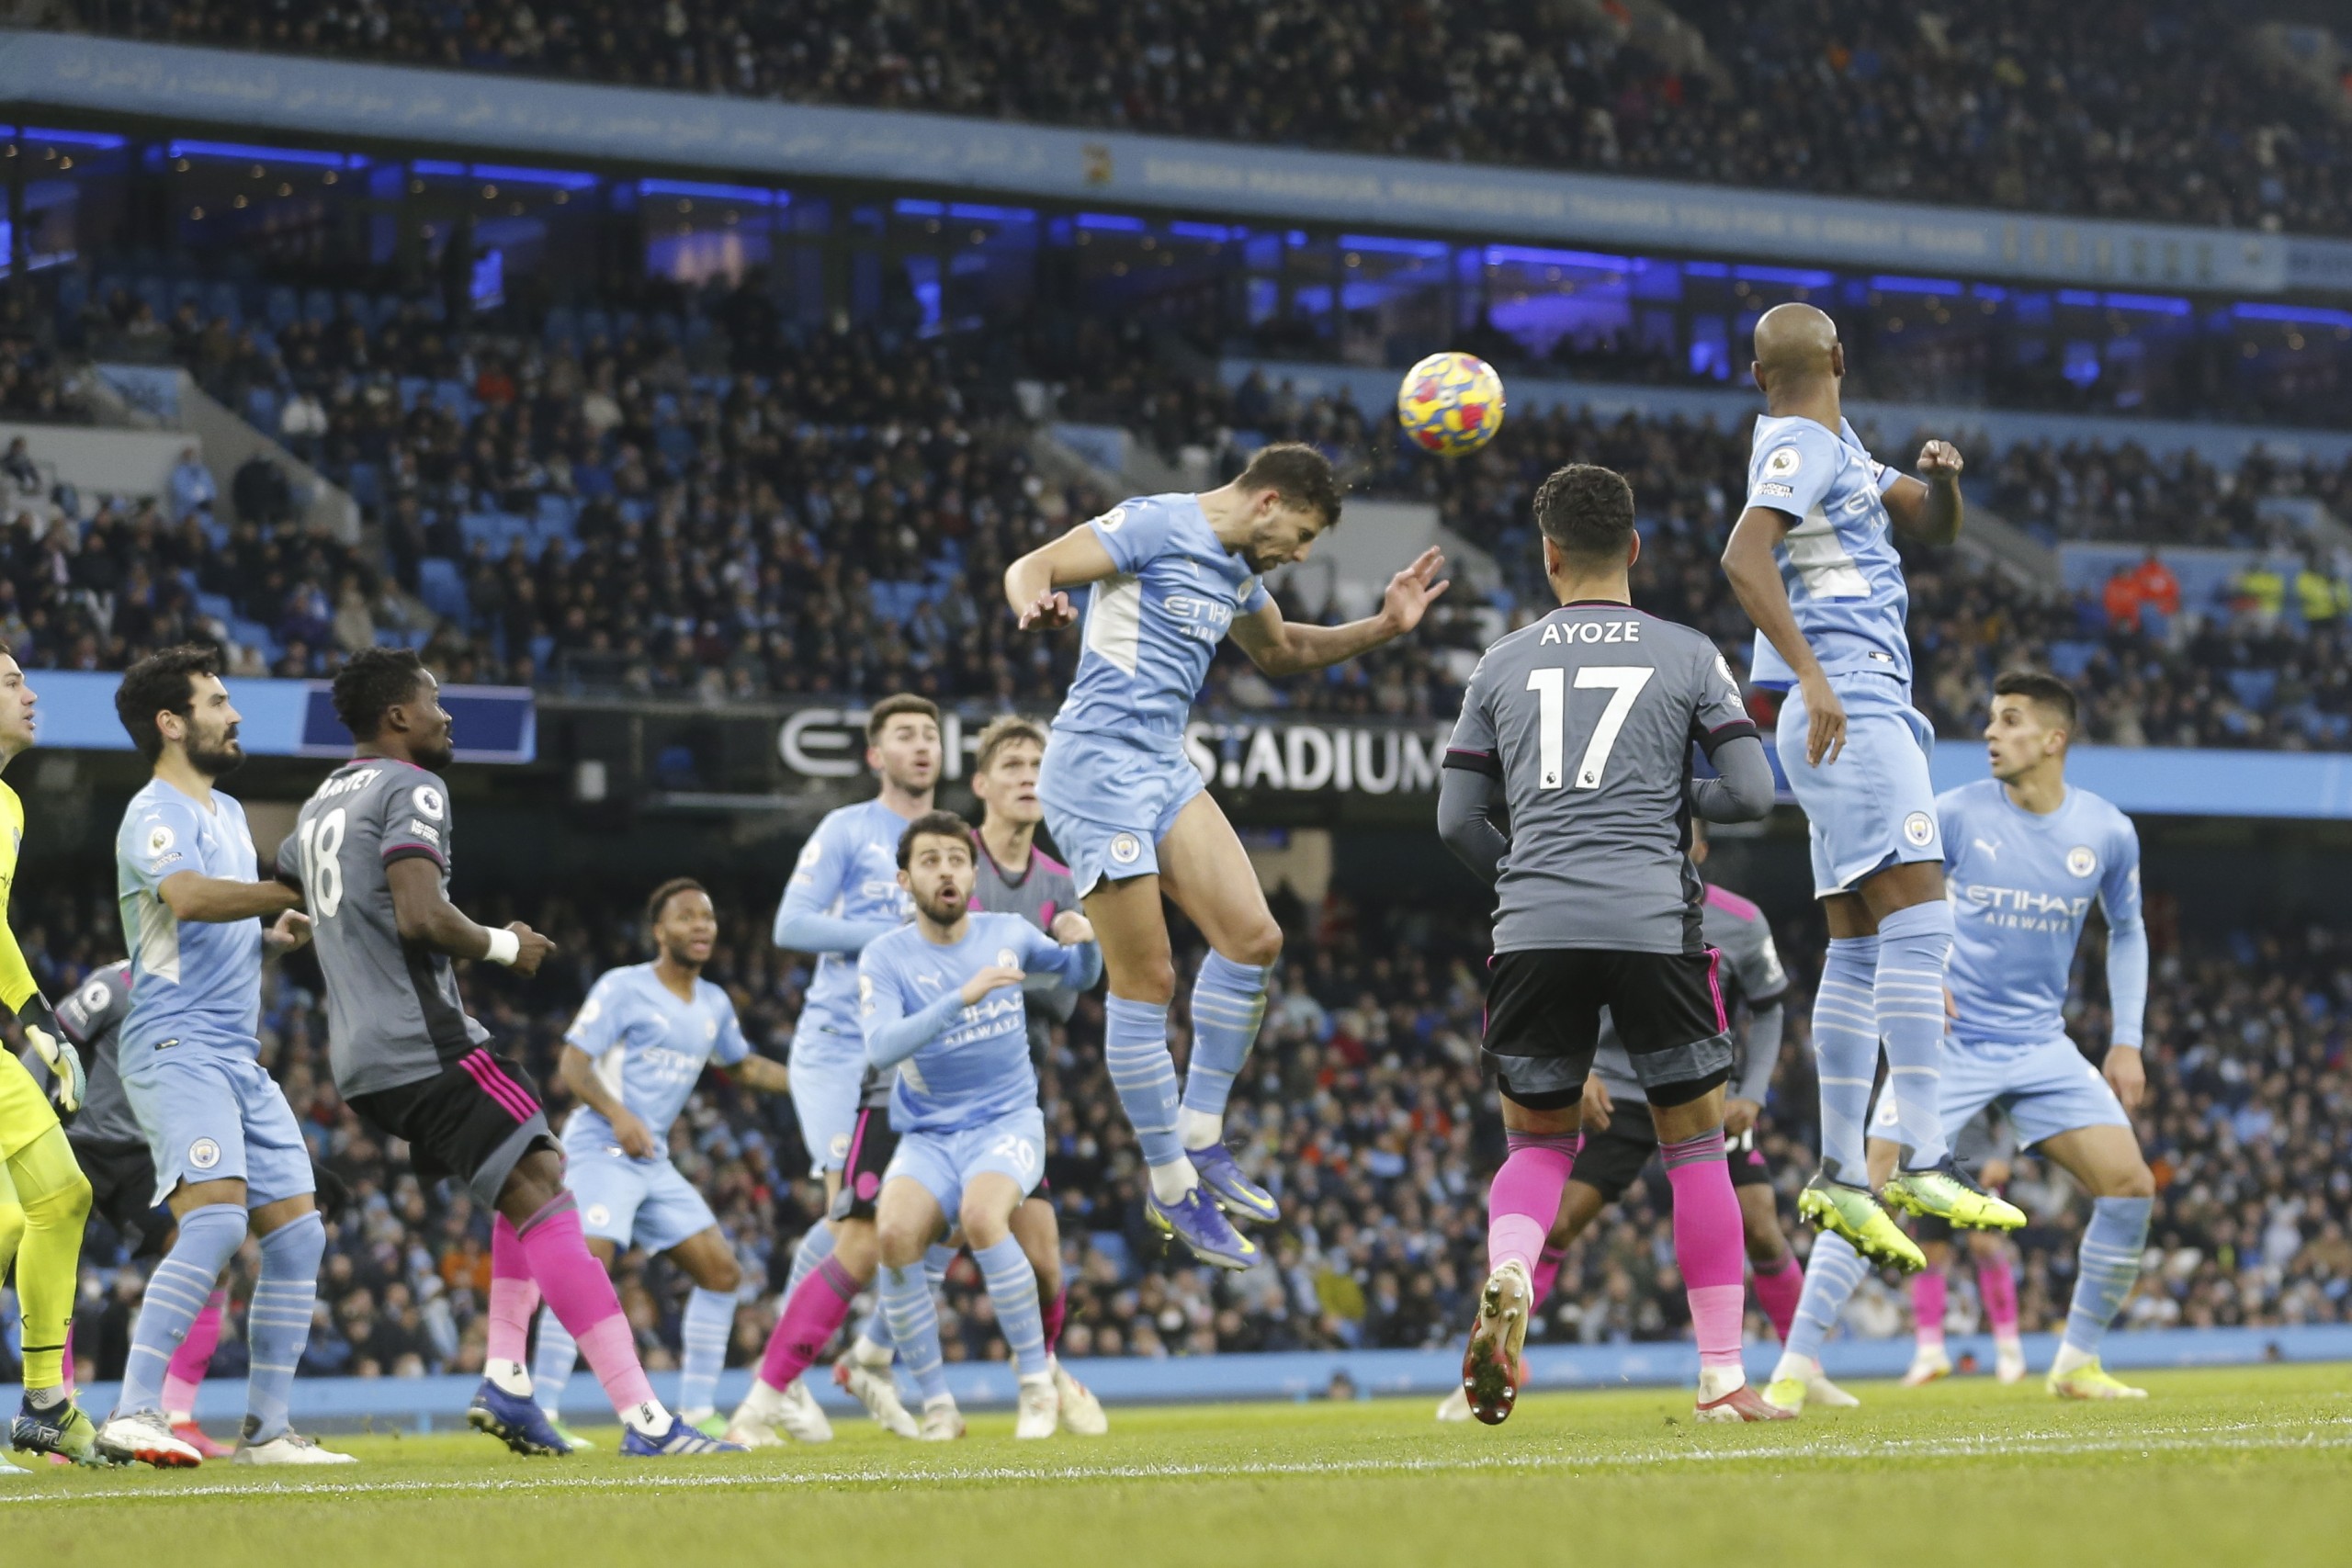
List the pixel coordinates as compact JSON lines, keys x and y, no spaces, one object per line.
{"x":1525,"y":1198}
{"x":1928,"y":1294}
{"x":811,"y":1316}
{"x":1710,"y":1246}
{"x":1778,"y":1290}
{"x":513,"y":1294}
{"x":1997,"y":1282}
{"x":1547,"y":1272}
{"x":68,"y":1384}
{"x":581,"y":1295}
{"x":186,"y":1373}
{"x":1056,"y":1314}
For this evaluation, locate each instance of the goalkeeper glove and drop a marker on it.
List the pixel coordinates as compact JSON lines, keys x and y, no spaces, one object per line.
{"x":57,"y":1052}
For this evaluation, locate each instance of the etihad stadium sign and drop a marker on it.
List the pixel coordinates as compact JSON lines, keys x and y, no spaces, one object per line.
{"x":1296,"y":757}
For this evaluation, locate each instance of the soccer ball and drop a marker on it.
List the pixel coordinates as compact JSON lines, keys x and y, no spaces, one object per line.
{"x":1450,"y":403}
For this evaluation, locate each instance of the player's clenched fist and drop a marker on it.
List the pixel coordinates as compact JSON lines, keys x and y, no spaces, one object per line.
{"x":996,"y":977}
{"x":1070,"y":928}
{"x":533,"y":948}
{"x":1940,"y":461}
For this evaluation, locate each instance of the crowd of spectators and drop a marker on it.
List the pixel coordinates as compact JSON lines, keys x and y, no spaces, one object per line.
{"x":1363,"y":1110}
{"x":2162,"y":110}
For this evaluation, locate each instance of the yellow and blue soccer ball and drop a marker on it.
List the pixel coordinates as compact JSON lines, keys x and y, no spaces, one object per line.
{"x":1450,"y":403}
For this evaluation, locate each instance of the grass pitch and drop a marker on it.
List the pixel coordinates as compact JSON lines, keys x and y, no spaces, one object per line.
{"x":2219,"y":1466}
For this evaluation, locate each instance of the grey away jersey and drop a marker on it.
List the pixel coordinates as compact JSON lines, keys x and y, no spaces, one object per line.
{"x":1586,"y":717}
{"x":92,"y":1017}
{"x":393,"y":1013}
{"x":1750,"y":973}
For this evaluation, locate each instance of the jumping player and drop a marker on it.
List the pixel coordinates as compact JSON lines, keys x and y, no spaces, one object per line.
{"x":44,"y":1198}
{"x":227,"y":1151}
{"x":1575,"y":732}
{"x":372,"y":850}
{"x":2028,"y":856}
{"x":943,"y":1007}
{"x":1814,"y":563}
{"x":1620,"y":1136}
{"x":1172,"y":576}
{"x":842,"y":894}
{"x":631,"y":1058}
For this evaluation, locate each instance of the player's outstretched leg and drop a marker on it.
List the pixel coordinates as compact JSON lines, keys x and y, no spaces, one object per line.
{"x":581,"y":1294}
{"x":503,"y":1406}
{"x":1521,"y":1206}
{"x":277,"y":1328}
{"x":44,"y":1203}
{"x":209,"y":1236}
{"x":1228,"y":1004}
{"x":185,"y":1375}
{"x":1831,"y":1275}
{"x":1996,"y":1287}
{"x":1929,"y":1361}
{"x":2107,"y":1267}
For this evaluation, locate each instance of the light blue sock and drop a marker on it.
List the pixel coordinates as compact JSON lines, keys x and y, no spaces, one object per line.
{"x":1012,"y":1288}
{"x":277,"y":1323}
{"x":914,"y":1324}
{"x":1831,"y":1275}
{"x":710,"y":1321}
{"x":1913,"y":946}
{"x":2107,"y":1267}
{"x":816,"y":1246}
{"x":552,"y":1360}
{"x":176,"y":1291}
{"x":876,"y":1329}
{"x":1228,"y":1003}
{"x":1134,"y":1049}
{"x":1845,"y":1052}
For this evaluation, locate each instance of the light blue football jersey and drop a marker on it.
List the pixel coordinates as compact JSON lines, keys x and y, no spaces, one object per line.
{"x":195,"y":982}
{"x":649,"y":1047}
{"x":849,"y":869}
{"x":977,"y":1068}
{"x":1838,"y":562}
{"x":2020,"y":886}
{"x":1152,"y":626}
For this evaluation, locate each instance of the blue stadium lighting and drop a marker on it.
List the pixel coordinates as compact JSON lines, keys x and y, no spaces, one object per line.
{"x":920,"y":209}
{"x":2080,"y":299}
{"x":1381,"y":244}
{"x":2152,"y":304}
{"x":1114,"y":221}
{"x":751,"y":196}
{"x":966,"y":212}
{"x":1795,"y":278}
{"x":1943,"y":286}
{"x":1213,"y":231}
{"x":1992,"y":291}
{"x":2293,"y":315}
{"x":561,"y":179}
{"x":98,"y":140}
{"x":1530,"y":255}
{"x":245,"y":153}
{"x":1705,"y":269}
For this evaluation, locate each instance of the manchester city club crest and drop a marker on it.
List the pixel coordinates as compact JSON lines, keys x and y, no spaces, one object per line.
{"x":2081,"y":861}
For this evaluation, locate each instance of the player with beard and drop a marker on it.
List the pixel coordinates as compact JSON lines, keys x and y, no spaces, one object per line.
{"x":1169,"y":577}
{"x":229,"y":1155}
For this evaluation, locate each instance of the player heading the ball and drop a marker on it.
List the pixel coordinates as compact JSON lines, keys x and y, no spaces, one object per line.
{"x":1172,"y":577}
{"x":1814,"y":563}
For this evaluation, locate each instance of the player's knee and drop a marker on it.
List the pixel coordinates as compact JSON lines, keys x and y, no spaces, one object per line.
{"x":2137,"y":1182}
{"x":63,"y":1207}
{"x":898,"y":1239}
{"x":1150,"y":980}
{"x":983,"y":1224}
{"x":1257,"y":943}
{"x":722,"y":1274}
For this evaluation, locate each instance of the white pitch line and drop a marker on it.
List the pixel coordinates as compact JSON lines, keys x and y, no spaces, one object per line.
{"x":2215,"y":1439}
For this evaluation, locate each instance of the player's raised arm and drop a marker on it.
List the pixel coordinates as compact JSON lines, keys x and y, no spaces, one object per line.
{"x":1036,"y":584}
{"x":1756,"y":584}
{"x":1930,"y":507}
{"x":1069,"y":952}
{"x":804,"y":920}
{"x":1285,"y":647}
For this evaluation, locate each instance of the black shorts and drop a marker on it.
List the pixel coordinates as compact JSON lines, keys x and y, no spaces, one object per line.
{"x":1543,"y":1022}
{"x":122,"y":1191}
{"x":871,"y":1144}
{"x":475,"y":1121}
{"x":1612,"y":1161}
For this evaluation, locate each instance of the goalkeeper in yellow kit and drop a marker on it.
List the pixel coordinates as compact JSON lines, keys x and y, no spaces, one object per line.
{"x":44,"y":1198}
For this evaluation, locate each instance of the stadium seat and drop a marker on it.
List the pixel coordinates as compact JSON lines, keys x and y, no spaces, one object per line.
{"x":442,"y":585}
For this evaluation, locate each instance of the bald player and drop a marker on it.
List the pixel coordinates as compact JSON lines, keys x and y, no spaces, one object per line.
{"x":1813,"y":562}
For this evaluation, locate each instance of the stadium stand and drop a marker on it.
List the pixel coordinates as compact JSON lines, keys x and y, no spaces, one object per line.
{"x":2168,"y":111}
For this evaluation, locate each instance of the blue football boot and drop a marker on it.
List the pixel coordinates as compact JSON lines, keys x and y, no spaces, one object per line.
{"x":1235,"y":1194}
{"x":514,"y":1419}
{"x":1199,"y":1224}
